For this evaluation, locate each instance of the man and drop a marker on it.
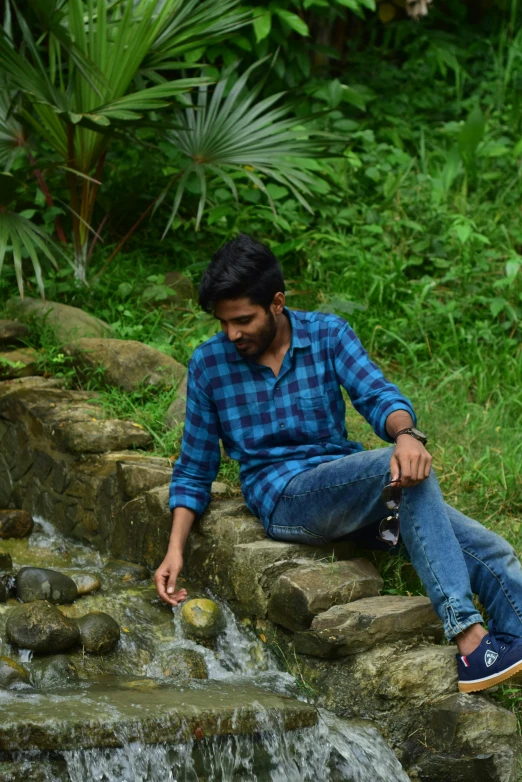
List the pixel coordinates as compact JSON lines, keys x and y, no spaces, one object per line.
{"x":268,"y":386}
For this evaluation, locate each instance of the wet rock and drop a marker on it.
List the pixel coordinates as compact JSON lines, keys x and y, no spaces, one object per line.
{"x":3,"y":592}
{"x":100,"y":436}
{"x":85,"y":583}
{"x":15,"y":524}
{"x":52,"y":672}
{"x":99,"y":632}
{"x":126,"y":364}
{"x":68,"y":323}
{"x":42,"y":628}
{"x":18,"y":363}
{"x":127,"y":571}
{"x":202,"y":618}
{"x":175,"y":414}
{"x":12,"y":332}
{"x":355,"y":627}
{"x":34,"y":583}
{"x":300,"y":594}
{"x":12,"y":673}
{"x":6,"y":563}
{"x":185,"y":664}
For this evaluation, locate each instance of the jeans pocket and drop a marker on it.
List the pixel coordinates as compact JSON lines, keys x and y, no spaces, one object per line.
{"x":295,"y":535}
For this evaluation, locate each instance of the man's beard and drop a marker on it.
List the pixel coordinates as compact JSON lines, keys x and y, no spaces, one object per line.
{"x":263,"y":339}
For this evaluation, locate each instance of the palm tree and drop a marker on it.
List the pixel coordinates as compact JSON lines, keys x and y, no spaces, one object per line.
{"x":87,"y":69}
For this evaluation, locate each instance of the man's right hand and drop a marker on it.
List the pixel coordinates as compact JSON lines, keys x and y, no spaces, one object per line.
{"x":166,"y":576}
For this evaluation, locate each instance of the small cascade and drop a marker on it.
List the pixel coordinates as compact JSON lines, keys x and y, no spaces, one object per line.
{"x":228,"y":715}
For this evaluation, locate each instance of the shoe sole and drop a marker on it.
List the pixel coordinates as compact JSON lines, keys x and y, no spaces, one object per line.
{"x":490,"y":681}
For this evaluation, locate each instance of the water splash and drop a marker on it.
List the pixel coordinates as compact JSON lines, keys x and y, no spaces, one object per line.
{"x":333,"y":751}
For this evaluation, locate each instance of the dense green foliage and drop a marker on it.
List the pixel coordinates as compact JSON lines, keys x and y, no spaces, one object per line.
{"x":415,"y":235}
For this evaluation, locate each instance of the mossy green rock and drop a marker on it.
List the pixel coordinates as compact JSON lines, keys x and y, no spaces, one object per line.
{"x":186,"y":664}
{"x":202,"y":618}
{"x":33,"y":583}
{"x":12,"y":673}
{"x":53,"y":672}
{"x":99,"y":632}
{"x":42,"y":628}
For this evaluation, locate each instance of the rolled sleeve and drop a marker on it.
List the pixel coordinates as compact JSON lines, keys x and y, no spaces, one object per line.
{"x":372,"y":395}
{"x":198,"y":463}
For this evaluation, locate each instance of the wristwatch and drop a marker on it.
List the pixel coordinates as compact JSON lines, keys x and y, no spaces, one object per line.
{"x":414,"y":433}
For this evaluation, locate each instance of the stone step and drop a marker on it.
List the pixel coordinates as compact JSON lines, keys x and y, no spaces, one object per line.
{"x":300,"y":594}
{"x":108,"y":714}
{"x":358,"y":626}
{"x":256,"y":566}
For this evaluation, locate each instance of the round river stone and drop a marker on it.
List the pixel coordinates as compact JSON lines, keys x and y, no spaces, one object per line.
{"x":15,"y":523}
{"x":34,"y":583}
{"x":41,"y":627}
{"x":12,"y":673}
{"x":99,"y":632}
{"x":85,"y":583}
{"x":127,"y":571}
{"x":202,"y":618}
{"x":52,"y":672}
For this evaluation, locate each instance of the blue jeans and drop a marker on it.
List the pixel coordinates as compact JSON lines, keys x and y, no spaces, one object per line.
{"x":453,"y":555}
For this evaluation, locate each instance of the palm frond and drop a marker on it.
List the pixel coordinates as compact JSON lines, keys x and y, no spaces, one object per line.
{"x":227,"y":131}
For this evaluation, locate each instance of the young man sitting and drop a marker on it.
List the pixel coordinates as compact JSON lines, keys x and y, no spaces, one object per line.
{"x":268,"y":386}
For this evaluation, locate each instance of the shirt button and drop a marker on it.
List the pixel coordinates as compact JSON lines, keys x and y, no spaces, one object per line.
{"x":281,"y":426}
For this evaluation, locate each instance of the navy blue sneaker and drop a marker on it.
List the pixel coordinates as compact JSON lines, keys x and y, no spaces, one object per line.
{"x":499,"y":657}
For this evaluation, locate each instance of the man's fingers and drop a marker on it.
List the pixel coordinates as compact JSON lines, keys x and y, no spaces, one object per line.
{"x":395,"y":469}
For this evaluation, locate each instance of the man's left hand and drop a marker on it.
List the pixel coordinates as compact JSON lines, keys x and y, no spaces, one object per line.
{"x":410,"y":461}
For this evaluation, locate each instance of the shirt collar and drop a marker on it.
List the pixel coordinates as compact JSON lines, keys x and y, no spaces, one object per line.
{"x":300,"y":338}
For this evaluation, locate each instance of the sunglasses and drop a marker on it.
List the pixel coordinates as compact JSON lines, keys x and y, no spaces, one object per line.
{"x":389,"y":527}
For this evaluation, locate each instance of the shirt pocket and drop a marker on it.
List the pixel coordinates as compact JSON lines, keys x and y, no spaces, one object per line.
{"x":313,"y":416}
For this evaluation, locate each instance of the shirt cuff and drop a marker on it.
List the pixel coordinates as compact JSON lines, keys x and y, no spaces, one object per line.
{"x":180,"y":498}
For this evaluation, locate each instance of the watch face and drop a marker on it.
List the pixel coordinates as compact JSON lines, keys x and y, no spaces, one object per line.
{"x":418,"y":433}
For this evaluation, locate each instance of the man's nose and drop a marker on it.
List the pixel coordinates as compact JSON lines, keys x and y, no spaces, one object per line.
{"x":234,"y":334}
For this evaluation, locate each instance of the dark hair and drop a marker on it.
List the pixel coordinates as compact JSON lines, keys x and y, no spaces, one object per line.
{"x":242,"y":267}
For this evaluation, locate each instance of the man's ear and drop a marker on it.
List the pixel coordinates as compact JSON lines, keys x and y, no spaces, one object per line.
{"x":278,"y":302}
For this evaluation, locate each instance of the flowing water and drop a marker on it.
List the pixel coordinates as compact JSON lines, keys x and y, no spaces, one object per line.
{"x":128,"y":694}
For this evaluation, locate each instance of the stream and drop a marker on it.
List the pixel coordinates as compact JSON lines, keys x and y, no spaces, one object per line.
{"x":123,"y":699}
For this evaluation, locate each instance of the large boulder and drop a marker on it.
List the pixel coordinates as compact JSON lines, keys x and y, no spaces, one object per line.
{"x":68,"y":323}
{"x":12,"y":332}
{"x":300,"y":594}
{"x":34,"y":583}
{"x":15,"y":524}
{"x":18,"y":363}
{"x":355,"y":627}
{"x":99,"y":632}
{"x":42,"y":628}
{"x":126,"y":364}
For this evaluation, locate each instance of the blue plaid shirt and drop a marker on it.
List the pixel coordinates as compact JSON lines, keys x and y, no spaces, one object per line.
{"x":277,"y":427}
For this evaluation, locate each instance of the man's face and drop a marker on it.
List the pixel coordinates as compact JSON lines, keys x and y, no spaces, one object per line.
{"x":247,"y":325}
